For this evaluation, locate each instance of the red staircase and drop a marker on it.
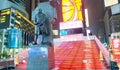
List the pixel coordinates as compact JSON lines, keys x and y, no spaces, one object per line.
{"x":78,"y":55}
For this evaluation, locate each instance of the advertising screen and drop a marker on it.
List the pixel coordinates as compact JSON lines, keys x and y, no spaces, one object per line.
{"x":72,"y":10}
{"x":115,"y":46}
{"x":116,"y":50}
{"x":5,"y":18}
{"x":71,"y":24}
{"x":72,"y":17}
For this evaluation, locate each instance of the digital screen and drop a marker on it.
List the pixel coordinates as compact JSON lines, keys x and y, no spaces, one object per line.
{"x":116,"y":49}
{"x":5,"y":18}
{"x":71,"y":24}
{"x":2,"y":19}
{"x":115,"y":44}
{"x":3,"y":15}
{"x":70,"y":31}
{"x":72,"y":10}
{"x":55,"y":32}
{"x":5,"y":12}
{"x":110,"y":2}
{"x":73,"y":37}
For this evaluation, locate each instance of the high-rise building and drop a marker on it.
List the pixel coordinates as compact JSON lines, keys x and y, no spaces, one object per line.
{"x":95,"y":15}
{"x":19,"y":2}
{"x":111,"y":20}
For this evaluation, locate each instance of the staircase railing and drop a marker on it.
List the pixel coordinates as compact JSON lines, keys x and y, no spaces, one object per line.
{"x":104,"y":51}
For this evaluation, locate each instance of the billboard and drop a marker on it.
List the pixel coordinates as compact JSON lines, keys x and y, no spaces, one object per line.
{"x":71,"y":24}
{"x":71,"y":27}
{"x":72,"y":10}
{"x":110,"y":2}
{"x":72,"y":17}
{"x":5,"y":18}
{"x":116,"y":50}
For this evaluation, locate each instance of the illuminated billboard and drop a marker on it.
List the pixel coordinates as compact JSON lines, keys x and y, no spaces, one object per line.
{"x":71,"y":25}
{"x":4,"y":18}
{"x":72,"y":17}
{"x":72,"y":10}
{"x":110,"y":2}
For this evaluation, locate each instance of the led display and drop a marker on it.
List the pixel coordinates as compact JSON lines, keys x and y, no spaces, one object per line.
{"x":116,"y":50}
{"x":71,"y":24}
{"x":4,"y":14}
{"x":72,"y":10}
{"x":4,"y":18}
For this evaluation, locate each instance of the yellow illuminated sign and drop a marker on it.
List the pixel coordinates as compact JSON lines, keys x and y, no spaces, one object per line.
{"x":72,"y":10}
{"x":2,"y":19}
{"x":5,"y":12}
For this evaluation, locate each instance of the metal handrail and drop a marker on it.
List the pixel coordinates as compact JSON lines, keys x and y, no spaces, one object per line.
{"x":104,"y":51}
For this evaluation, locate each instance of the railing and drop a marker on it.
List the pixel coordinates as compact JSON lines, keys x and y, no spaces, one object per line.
{"x":104,"y":50}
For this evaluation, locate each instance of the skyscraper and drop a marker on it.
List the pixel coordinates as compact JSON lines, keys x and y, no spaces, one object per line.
{"x":19,"y":2}
{"x":95,"y":15}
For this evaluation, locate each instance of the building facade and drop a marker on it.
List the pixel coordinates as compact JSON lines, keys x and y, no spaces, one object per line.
{"x":95,"y":15}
